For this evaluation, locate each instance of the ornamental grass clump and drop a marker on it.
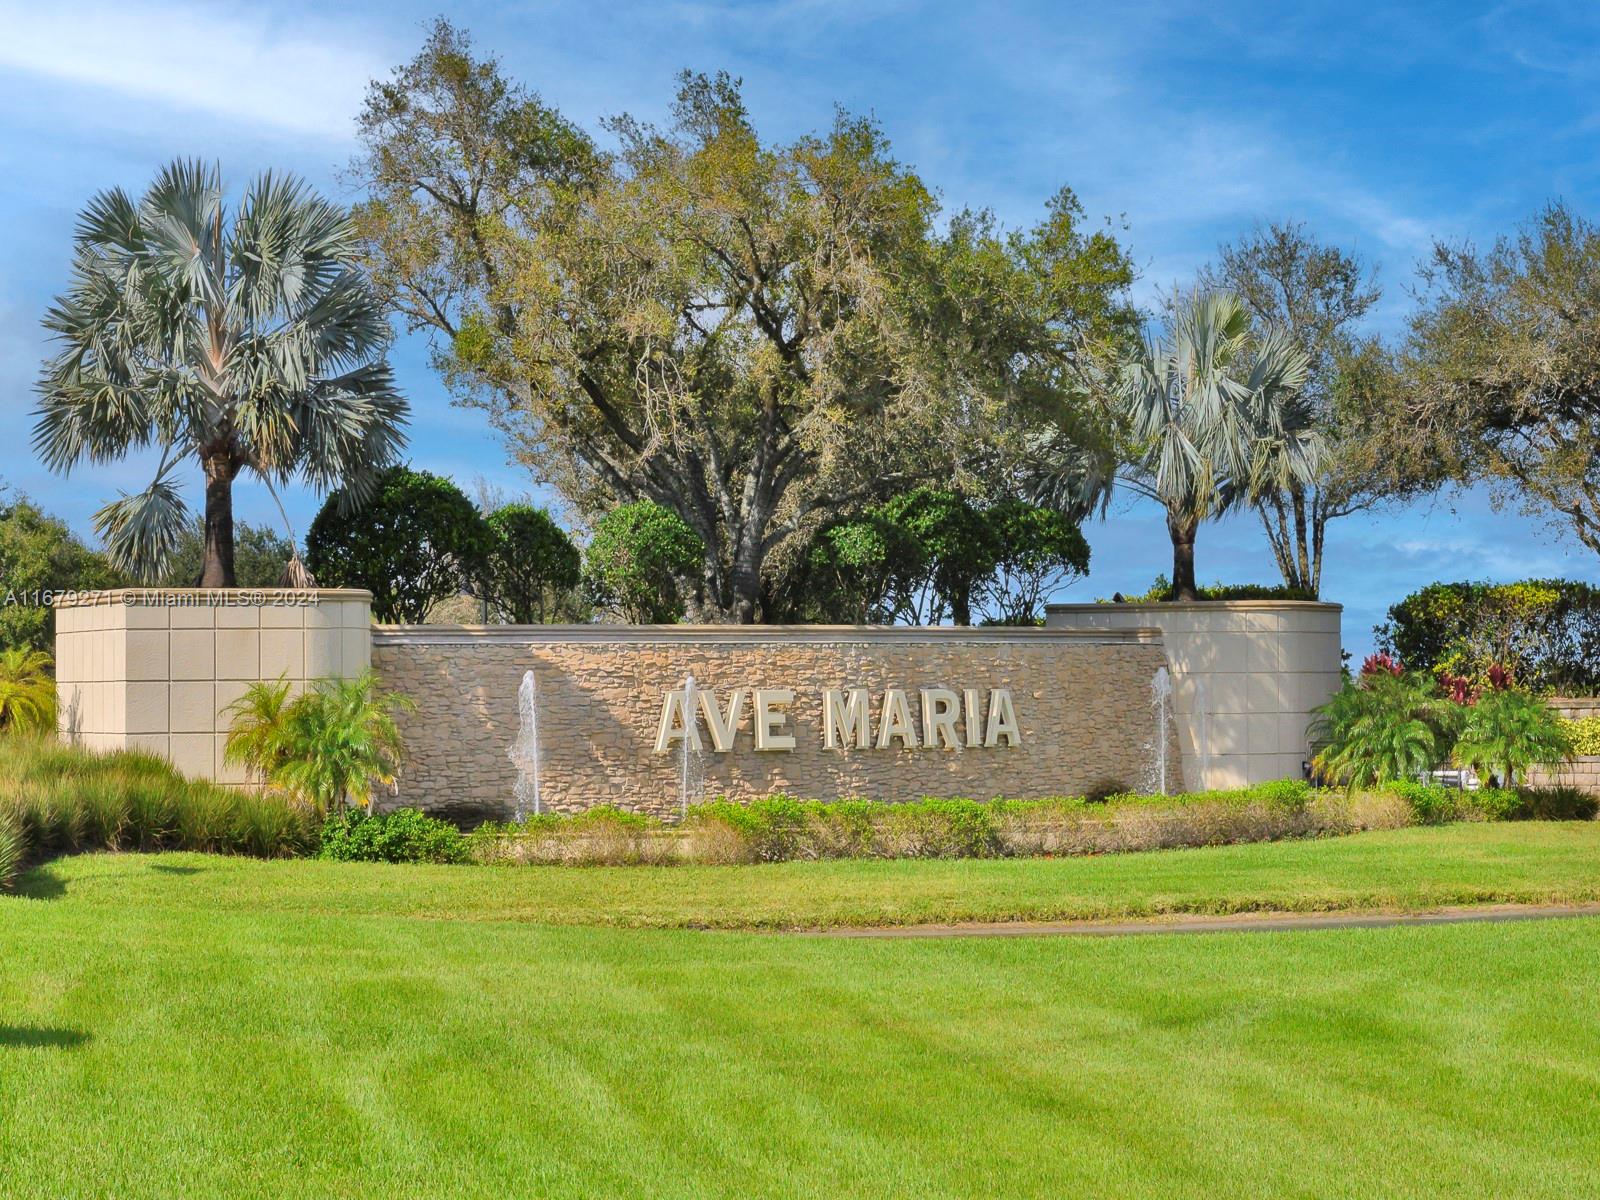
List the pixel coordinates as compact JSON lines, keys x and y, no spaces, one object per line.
{"x":58,"y":799}
{"x":599,"y":836}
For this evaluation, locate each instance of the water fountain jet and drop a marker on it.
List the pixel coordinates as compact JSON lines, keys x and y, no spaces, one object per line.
{"x":524,"y":752}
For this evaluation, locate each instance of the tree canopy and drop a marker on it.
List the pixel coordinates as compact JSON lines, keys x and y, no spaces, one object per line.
{"x":260,"y":556}
{"x":414,"y":541}
{"x":39,"y":556}
{"x":531,"y":568}
{"x":247,"y":340}
{"x":1207,"y":416}
{"x":1502,"y":370}
{"x":929,"y":555}
{"x":756,"y":336}
{"x":640,"y":563}
{"x":1319,"y":294}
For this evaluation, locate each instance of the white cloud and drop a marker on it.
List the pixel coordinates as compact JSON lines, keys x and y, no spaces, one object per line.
{"x":238,"y":65}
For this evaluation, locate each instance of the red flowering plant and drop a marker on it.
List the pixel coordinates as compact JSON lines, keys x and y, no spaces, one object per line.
{"x":1381,"y":663}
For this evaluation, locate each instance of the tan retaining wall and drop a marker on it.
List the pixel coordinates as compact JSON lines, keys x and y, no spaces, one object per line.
{"x":1082,"y":701}
{"x":156,"y":669}
{"x":1246,"y":675}
{"x":1584,"y":771}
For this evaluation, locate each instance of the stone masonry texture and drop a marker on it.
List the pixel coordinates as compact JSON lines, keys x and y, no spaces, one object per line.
{"x":1082,"y":701}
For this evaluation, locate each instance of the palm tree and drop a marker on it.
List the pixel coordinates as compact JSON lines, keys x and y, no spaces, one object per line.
{"x":27,"y":691}
{"x":1508,"y":731}
{"x":1382,"y":727}
{"x":327,"y":747}
{"x":247,"y":341}
{"x":259,"y":731}
{"x":1206,"y":420}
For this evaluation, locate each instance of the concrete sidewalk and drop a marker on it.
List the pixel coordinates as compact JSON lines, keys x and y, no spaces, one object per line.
{"x":1266,"y":922}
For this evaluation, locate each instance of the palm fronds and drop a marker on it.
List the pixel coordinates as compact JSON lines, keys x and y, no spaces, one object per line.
{"x":328,"y":747}
{"x":27,"y":691}
{"x":251,"y":341}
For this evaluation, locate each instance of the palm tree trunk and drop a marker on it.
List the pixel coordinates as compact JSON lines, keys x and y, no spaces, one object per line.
{"x":217,"y":565}
{"x":1182,"y":531}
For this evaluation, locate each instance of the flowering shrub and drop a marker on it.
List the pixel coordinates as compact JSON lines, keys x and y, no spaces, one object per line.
{"x":1544,"y":632}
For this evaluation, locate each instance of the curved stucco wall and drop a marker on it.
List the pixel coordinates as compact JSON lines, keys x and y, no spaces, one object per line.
{"x":1246,"y":675}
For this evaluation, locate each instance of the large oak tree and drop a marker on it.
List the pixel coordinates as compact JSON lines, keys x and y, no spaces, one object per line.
{"x":1502,"y":370}
{"x":754,"y":335}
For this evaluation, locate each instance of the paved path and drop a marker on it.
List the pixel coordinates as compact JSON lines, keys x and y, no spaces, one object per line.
{"x":1240,"y":923}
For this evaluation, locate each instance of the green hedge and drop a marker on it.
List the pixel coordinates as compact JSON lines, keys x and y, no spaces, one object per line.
{"x":1585,"y":735}
{"x":1547,"y":631}
{"x":1162,"y":591}
{"x":405,"y":835}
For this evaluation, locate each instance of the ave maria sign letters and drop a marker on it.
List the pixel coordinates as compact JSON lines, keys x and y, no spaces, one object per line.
{"x":640,"y":717}
{"x":852,"y":719}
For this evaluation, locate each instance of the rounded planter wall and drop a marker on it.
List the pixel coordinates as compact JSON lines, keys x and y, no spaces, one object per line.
{"x":1245,"y":674}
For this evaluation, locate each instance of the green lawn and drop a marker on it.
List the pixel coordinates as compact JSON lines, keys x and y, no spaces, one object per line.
{"x":183,"y":1025}
{"x":1406,"y":868}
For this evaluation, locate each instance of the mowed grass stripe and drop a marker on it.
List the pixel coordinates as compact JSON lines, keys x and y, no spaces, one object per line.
{"x":279,"y":1053}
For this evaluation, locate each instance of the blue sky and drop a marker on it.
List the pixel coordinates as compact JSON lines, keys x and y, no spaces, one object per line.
{"x":1382,"y":127}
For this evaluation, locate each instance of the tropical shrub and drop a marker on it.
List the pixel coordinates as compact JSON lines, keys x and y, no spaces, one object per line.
{"x":1506,"y":731}
{"x":1382,"y":726}
{"x":405,"y":835}
{"x":326,"y":747}
{"x":412,"y":539}
{"x":1546,"y":631}
{"x":641,"y":561}
{"x":1583,"y":734}
{"x":531,"y":568}
{"x":27,"y":691}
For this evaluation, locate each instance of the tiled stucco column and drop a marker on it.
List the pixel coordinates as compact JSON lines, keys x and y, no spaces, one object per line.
{"x":156,"y":669}
{"x":1245,"y":673}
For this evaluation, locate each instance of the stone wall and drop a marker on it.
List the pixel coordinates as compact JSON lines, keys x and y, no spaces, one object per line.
{"x":1583,"y":771}
{"x":156,"y":669}
{"x":1246,"y":675}
{"x":1082,"y":701}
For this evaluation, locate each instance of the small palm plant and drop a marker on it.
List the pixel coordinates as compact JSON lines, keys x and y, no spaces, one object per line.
{"x":258,"y":737}
{"x":1508,"y":731}
{"x":1383,"y":727}
{"x":327,"y":747}
{"x":246,"y":342}
{"x":27,"y":691}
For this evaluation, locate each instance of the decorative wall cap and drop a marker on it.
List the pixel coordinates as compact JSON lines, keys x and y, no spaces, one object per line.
{"x":736,"y":635}
{"x":164,"y":596}
{"x":1191,"y":605}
